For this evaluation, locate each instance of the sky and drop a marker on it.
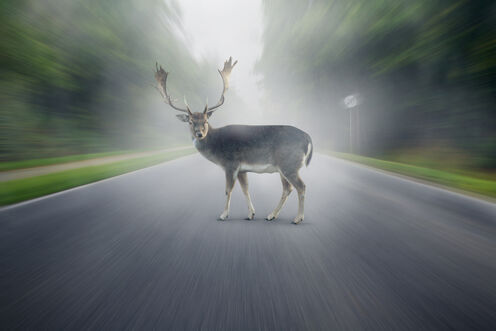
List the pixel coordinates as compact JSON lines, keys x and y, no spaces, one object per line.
{"x":217,"y":29}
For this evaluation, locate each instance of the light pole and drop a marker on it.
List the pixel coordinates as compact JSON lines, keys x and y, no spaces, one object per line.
{"x":351,"y":102}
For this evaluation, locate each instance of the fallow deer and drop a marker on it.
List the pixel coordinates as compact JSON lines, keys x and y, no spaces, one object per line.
{"x":239,"y":149}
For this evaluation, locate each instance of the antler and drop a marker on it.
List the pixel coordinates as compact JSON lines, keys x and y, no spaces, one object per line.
{"x":225,"y":73}
{"x":161,"y":77}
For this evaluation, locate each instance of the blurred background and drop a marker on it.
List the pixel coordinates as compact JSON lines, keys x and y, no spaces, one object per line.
{"x":420,"y":76}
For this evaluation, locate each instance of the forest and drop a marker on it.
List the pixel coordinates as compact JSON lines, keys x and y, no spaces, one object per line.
{"x":77,"y":76}
{"x":425,"y":73}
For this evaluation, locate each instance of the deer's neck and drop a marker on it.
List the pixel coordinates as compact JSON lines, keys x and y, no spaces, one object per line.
{"x":206,"y":146}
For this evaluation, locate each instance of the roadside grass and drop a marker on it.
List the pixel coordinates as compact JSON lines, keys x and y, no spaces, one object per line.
{"x":12,"y":165}
{"x":28,"y":188}
{"x":481,"y":186}
{"x":444,"y":158}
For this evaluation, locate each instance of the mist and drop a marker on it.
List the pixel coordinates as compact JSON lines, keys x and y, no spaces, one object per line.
{"x":80,"y":79}
{"x":425,"y":81}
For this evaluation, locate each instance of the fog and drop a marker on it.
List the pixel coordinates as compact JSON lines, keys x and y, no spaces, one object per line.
{"x":78,"y":77}
{"x":212,"y":32}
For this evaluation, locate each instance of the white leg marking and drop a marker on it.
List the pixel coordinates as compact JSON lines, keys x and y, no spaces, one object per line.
{"x":301,"y":203}
{"x":277,"y":210}
{"x":251,"y":209}
{"x":230,"y":181}
{"x":296,"y":181}
{"x":286,"y":190}
{"x":225,"y":213}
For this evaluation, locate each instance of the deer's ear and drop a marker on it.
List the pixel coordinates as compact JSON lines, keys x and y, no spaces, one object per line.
{"x":209,"y":114}
{"x":183,"y":117}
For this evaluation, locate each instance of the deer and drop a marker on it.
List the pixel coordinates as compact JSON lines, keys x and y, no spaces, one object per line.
{"x":239,"y":149}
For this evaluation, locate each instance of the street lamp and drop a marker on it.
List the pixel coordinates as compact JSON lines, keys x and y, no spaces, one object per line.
{"x":351,"y":102}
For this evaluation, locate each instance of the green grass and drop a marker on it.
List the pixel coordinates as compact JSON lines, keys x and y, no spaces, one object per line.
{"x":482,"y":186}
{"x":28,"y":188}
{"x":444,"y":158}
{"x":12,"y":165}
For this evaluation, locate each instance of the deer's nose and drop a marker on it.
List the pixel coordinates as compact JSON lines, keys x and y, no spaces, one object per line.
{"x":199,"y":134}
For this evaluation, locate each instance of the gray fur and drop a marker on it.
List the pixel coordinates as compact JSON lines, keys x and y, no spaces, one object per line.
{"x":282,"y":146}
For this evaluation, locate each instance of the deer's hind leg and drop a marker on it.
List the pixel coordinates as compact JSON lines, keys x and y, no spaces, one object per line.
{"x":231,"y":175}
{"x":243,"y":181}
{"x":294,"y":178}
{"x":286,"y":190}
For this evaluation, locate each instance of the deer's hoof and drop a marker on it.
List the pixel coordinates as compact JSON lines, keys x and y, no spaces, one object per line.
{"x":297,"y":220}
{"x":250,"y":217}
{"x":222,"y":218}
{"x":271,"y":217}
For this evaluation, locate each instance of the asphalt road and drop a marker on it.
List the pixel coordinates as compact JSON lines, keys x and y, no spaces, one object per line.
{"x":144,"y":251}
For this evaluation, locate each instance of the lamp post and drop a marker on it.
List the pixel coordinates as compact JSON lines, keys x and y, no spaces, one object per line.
{"x":351,"y":102}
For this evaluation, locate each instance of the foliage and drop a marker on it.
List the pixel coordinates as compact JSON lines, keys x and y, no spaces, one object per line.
{"x":76,"y":76}
{"x":425,"y":70}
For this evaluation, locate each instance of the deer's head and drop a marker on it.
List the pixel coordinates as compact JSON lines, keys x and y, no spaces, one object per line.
{"x":198,"y":121}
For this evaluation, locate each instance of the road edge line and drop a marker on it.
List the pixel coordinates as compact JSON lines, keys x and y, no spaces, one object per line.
{"x":22,"y":203}
{"x":466,"y":194}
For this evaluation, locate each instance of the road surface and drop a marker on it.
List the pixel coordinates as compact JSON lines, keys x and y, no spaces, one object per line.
{"x":144,"y":251}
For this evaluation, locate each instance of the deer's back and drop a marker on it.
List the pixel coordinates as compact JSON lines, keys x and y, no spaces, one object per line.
{"x":255,"y":144}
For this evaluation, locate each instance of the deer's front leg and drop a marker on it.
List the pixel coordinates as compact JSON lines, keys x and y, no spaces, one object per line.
{"x":230,"y":181}
{"x":243,"y":181}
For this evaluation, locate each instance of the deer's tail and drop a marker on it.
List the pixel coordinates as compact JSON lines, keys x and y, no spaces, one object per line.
{"x":309,"y":152}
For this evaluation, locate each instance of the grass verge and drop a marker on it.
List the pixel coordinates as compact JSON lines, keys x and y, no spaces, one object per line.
{"x":485,"y":187}
{"x":28,"y":188}
{"x":12,"y":165}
